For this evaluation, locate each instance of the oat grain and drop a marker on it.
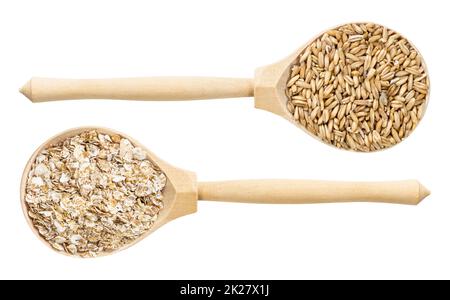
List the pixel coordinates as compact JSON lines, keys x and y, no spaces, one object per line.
{"x":358,"y":87}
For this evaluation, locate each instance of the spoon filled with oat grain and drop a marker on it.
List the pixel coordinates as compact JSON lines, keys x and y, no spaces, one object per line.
{"x":359,"y":86}
{"x":92,"y":191}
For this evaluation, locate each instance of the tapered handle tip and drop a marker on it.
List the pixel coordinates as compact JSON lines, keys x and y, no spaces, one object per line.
{"x":423,"y":192}
{"x":26,"y":90}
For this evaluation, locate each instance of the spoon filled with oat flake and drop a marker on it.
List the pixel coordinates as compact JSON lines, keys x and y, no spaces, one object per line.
{"x":359,"y":86}
{"x":93,"y":191}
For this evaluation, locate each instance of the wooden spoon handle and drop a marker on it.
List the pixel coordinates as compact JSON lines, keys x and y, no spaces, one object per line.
{"x":151,"y":88}
{"x":309,"y":191}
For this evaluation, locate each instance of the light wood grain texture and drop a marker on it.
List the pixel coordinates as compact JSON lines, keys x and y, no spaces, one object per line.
{"x":182,"y":190}
{"x":288,"y":191}
{"x":151,"y":88}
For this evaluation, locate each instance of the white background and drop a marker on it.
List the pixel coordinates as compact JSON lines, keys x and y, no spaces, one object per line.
{"x":224,"y":139}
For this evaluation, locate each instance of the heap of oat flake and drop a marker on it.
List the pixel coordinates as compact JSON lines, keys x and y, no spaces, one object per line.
{"x":93,"y":193}
{"x":360,"y":86}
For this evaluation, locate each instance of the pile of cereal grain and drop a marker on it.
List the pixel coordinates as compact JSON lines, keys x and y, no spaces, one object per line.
{"x":93,"y":193}
{"x":360,"y":86}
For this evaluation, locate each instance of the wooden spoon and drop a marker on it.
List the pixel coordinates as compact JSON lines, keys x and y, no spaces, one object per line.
{"x":182,"y":191}
{"x":268,"y":88}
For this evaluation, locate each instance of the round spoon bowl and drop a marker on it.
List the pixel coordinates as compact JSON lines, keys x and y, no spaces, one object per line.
{"x":179,"y":194}
{"x":271,"y":84}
